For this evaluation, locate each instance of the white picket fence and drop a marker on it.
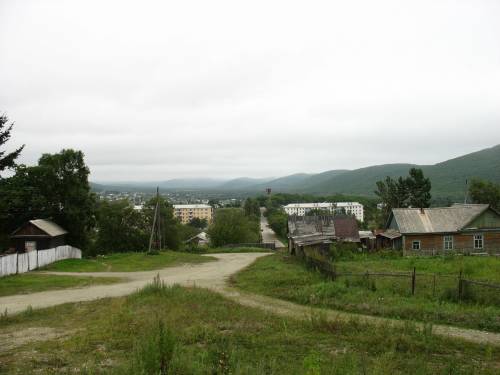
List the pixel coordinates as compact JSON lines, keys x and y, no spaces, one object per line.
{"x":21,"y":263}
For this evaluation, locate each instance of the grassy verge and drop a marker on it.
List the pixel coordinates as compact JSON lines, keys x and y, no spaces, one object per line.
{"x":194,"y":331}
{"x":33,"y":282}
{"x":288,"y":278}
{"x":483,"y":268}
{"x":127,"y":262}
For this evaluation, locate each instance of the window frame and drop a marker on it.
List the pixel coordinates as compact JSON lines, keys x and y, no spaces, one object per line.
{"x":478,"y":237}
{"x":419,"y":247}
{"x":448,"y":239}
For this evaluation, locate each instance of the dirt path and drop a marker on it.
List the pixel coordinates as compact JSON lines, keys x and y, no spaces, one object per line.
{"x":289,"y":309}
{"x":210,"y":275}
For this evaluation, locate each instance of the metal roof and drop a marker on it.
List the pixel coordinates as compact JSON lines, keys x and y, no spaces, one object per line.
{"x":49,"y":227}
{"x":436,"y":219}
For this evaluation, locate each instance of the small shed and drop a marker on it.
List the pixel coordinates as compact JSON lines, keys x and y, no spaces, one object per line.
{"x":38,"y":234}
{"x":388,"y":239}
{"x":200,"y":239}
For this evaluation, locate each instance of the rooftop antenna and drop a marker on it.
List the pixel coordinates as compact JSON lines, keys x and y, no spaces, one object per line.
{"x":466,"y":192}
{"x":155,"y":238}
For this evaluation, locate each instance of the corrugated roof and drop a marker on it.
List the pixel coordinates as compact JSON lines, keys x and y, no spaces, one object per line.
{"x":49,"y":227}
{"x":436,"y":219}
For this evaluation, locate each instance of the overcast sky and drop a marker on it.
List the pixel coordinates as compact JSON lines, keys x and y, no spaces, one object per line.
{"x":159,"y":90}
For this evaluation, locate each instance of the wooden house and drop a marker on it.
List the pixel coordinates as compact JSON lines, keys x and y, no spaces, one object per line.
{"x":464,"y":228}
{"x":38,"y":234}
{"x":316,"y":233}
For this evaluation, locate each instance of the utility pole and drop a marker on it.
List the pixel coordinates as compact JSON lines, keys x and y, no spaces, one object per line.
{"x":155,"y":238}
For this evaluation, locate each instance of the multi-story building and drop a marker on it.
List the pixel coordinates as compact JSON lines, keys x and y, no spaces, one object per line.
{"x":186,"y":212}
{"x":301,"y":209}
{"x":351,"y":208}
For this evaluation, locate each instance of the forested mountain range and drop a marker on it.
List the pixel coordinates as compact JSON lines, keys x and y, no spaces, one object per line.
{"x":448,"y":178}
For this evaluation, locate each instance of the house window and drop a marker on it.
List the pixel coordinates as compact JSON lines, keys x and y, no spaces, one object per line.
{"x":448,"y":242}
{"x":415,"y":245}
{"x":29,"y":246}
{"x":478,"y":241}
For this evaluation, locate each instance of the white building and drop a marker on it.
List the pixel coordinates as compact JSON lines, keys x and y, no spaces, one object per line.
{"x":351,"y":208}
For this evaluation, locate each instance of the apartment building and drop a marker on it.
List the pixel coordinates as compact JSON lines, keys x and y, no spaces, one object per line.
{"x":186,"y":212}
{"x":351,"y":208}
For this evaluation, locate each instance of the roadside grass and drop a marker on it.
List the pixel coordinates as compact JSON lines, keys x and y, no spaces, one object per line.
{"x":127,"y":262}
{"x":34,"y":282}
{"x":286,"y":277}
{"x":474,"y":267}
{"x":179,"y":330}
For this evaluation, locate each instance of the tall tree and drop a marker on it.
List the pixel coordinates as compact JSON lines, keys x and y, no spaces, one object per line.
{"x":119,"y":228}
{"x":419,"y":189}
{"x":488,"y":192}
{"x":413,"y":191}
{"x":58,"y":189}
{"x":7,"y":160}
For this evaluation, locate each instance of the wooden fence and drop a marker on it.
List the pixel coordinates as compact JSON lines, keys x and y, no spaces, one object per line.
{"x":24,"y":262}
{"x":427,"y":281}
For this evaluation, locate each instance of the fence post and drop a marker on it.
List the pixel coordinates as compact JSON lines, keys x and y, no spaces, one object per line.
{"x":434,"y":285}
{"x":413,"y":279}
{"x":460,"y":286}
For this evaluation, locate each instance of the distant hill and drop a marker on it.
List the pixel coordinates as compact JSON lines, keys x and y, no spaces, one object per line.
{"x":448,"y":178}
{"x":242,"y":183}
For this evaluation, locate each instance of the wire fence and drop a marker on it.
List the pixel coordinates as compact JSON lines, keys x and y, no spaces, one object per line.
{"x":449,"y":287}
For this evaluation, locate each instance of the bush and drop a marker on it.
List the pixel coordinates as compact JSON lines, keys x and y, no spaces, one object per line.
{"x":232,"y":226}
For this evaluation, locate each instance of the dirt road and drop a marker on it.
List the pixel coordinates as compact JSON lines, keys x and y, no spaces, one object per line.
{"x":268,"y":234}
{"x":211,"y":275}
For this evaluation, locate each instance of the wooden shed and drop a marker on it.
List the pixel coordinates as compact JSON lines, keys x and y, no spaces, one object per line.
{"x":38,"y":234}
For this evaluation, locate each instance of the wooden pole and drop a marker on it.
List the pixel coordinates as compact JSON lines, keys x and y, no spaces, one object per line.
{"x":413,"y":279}
{"x":434,"y":285}
{"x":460,"y":286}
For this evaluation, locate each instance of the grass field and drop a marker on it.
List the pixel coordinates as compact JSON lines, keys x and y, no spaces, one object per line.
{"x":127,"y":262}
{"x":288,"y":278}
{"x":34,"y":282}
{"x":195,"y":331}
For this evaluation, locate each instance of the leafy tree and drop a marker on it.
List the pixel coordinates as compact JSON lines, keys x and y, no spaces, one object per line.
{"x":57,"y":189}
{"x":419,"y":189}
{"x":487,"y":192}
{"x":120,"y":228}
{"x":278,"y":221}
{"x":7,"y":160}
{"x":168,"y":223}
{"x":198,"y":223}
{"x":232,"y":226}
{"x":252,"y":207}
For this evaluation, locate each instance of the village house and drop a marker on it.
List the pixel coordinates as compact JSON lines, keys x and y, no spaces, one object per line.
{"x":38,"y":234}
{"x":316,"y":233}
{"x":463,"y":228}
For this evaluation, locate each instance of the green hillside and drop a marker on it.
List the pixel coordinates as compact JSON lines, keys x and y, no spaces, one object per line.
{"x":448,"y":178}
